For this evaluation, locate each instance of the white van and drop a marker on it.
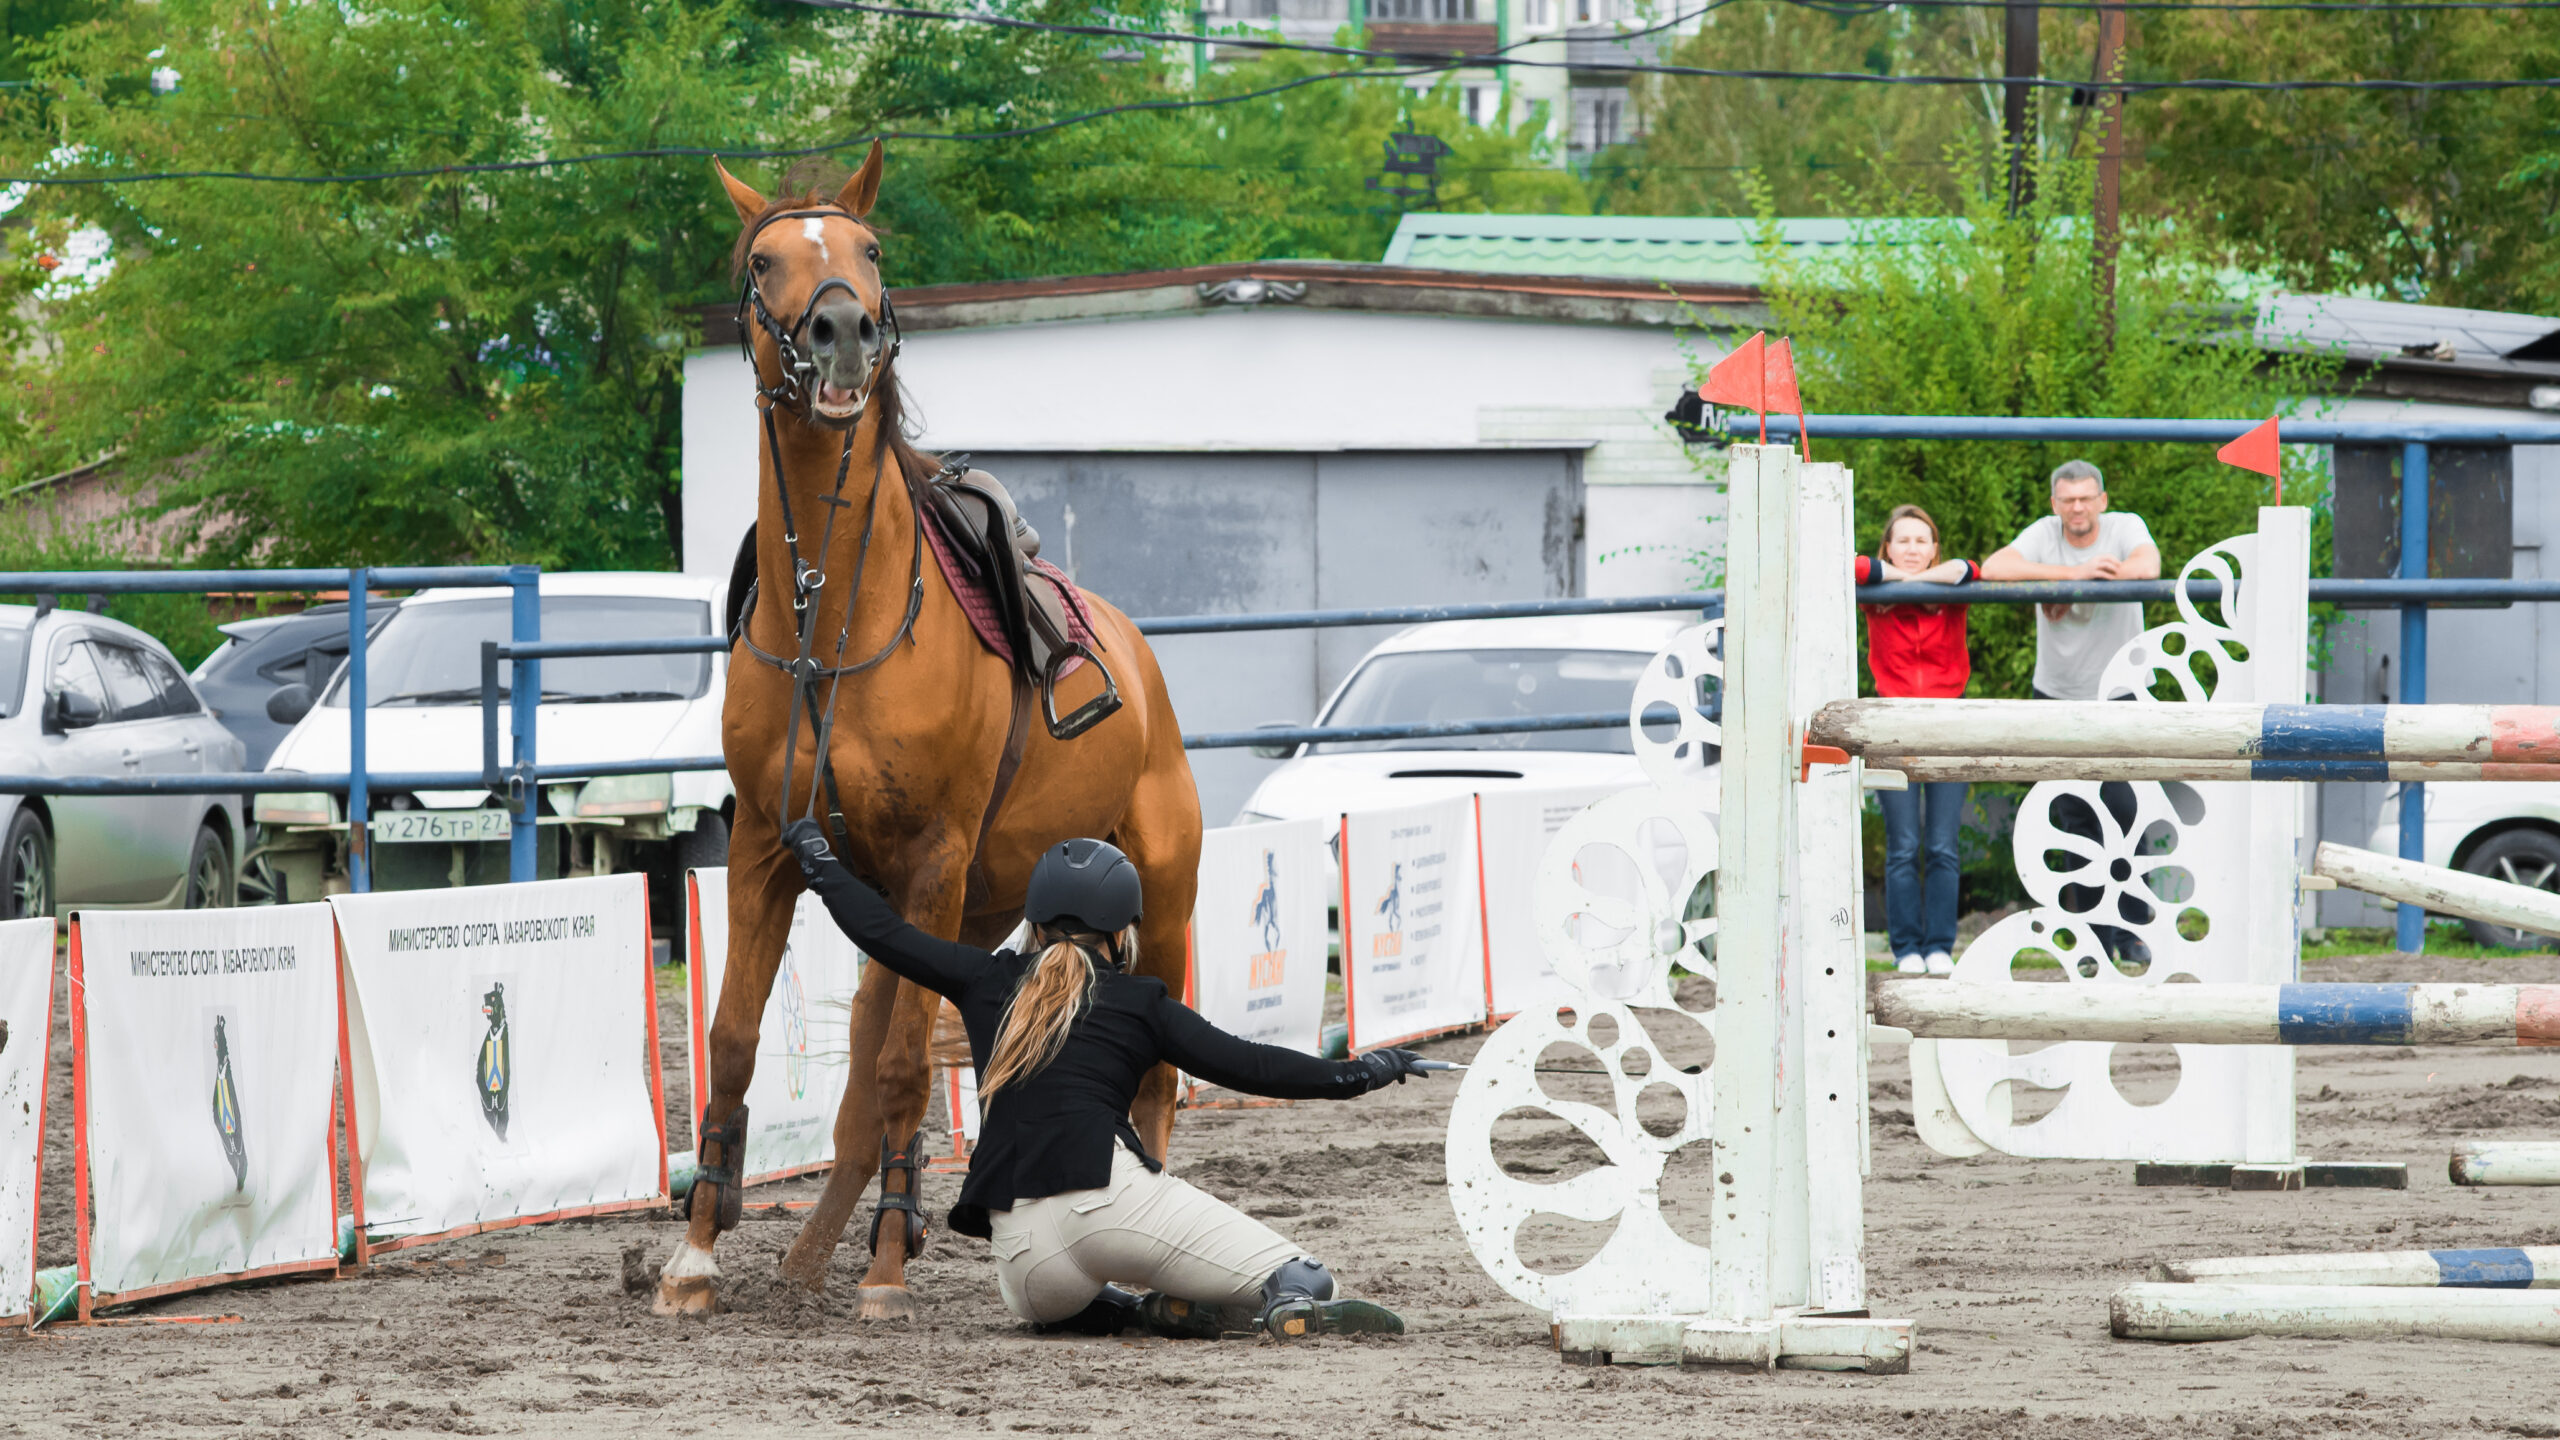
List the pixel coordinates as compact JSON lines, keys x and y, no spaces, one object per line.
{"x":423,"y":714}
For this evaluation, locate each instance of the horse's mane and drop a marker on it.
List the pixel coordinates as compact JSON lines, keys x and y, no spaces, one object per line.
{"x":886,"y":393}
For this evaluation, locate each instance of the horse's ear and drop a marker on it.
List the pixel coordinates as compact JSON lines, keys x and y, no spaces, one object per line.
{"x":863,"y":189}
{"x":741,"y":194}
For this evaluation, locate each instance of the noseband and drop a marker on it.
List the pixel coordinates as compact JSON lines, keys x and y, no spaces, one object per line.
{"x":797,"y":389}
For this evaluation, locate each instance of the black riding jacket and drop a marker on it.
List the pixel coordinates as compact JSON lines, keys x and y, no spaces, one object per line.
{"x":1052,"y":1132}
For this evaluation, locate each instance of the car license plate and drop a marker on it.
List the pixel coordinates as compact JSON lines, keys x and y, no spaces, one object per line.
{"x":441,"y":827}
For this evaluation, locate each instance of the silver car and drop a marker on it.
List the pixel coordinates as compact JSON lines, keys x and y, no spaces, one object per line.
{"x":81,"y":694}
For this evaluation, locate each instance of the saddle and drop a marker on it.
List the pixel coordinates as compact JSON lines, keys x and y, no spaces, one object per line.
{"x":1036,"y":615}
{"x":1023,"y":608}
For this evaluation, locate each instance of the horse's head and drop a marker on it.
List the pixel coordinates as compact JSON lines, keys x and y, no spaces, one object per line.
{"x":813,"y":317}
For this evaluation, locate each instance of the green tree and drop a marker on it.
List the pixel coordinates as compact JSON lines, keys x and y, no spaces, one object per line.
{"x":1281,"y":174}
{"x":488,"y":366}
{"x":439,"y":368}
{"x":2435,"y":197}
{"x":1983,"y":313}
{"x":1812,"y":145}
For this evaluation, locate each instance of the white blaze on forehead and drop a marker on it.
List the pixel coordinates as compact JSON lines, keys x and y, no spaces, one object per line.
{"x":815,"y":228}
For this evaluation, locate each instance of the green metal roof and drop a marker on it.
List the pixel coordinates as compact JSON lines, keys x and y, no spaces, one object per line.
{"x":1708,"y":249}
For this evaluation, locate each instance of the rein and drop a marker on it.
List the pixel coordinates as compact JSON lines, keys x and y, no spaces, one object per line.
{"x":795,"y":391}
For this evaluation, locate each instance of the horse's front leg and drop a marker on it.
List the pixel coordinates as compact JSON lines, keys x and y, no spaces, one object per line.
{"x":763,"y":882}
{"x":892,"y":1042}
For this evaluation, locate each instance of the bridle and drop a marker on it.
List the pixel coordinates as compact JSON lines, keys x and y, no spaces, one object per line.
{"x":796,"y":388}
{"x":796,"y":391}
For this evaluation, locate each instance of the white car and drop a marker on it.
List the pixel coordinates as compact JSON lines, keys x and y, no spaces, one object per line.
{"x":423,"y":714}
{"x":2505,"y":830}
{"x":83,"y":695}
{"x":1469,"y":670}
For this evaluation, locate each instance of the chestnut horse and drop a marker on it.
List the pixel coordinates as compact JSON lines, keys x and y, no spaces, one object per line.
{"x":918,"y":720}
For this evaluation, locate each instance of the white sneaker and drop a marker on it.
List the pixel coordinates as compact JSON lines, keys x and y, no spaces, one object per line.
{"x":1910,"y":965}
{"x":1939,"y":963}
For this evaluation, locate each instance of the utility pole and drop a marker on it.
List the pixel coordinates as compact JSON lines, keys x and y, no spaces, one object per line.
{"x":2110,"y":159}
{"x":2017,"y":106}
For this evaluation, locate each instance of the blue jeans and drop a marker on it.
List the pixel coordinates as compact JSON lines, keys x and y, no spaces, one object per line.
{"x":1920,"y":916}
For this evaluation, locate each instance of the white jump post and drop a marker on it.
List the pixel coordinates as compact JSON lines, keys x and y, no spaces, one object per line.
{"x":1782,"y":1278}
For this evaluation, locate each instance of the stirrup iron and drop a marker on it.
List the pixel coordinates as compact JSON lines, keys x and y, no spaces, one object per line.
{"x":1092,"y":712}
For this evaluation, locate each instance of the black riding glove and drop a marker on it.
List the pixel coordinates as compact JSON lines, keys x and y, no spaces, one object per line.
{"x":1389,"y":1067}
{"x":808,"y":842}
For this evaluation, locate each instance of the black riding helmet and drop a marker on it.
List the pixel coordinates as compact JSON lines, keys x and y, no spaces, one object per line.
{"x":1084,"y":885}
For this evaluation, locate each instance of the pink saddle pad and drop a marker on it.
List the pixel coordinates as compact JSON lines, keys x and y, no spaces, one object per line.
{"x":979,"y":602}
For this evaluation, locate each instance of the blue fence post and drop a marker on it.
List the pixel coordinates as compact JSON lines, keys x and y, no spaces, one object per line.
{"x":2412,"y":938}
{"x":359,"y":786}
{"x":525,"y":691}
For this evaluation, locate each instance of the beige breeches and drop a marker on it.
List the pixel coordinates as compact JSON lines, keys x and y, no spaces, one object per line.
{"x":1145,"y":1229}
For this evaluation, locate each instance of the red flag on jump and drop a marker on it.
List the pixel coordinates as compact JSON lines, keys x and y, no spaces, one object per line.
{"x":1779,"y":389}
{"x":1741,"y":380}
{"x":2258,"y":450}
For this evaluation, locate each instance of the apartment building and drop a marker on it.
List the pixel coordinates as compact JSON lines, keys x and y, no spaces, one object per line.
{"x":1566,"y":46}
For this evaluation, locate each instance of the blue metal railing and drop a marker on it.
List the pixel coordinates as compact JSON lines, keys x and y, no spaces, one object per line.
{"x":358,"y":783}
{"x":519,"y":782}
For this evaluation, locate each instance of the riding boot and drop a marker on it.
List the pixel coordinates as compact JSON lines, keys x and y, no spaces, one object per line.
{"x":1297,"y":1301}
{"x":1111,"y":1312}
{"x":1176,"y":1319}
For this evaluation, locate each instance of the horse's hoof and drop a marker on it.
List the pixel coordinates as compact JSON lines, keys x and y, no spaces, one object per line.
{"x":694,"y":1296}
{"x":886,"y":1302}
{"x":812,"y":1278}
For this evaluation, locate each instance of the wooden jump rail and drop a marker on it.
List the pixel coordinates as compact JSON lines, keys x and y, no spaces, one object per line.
{"x":2020,"y":740}
{"x":2506,"y":1162}
{"x":2470,"y":1015}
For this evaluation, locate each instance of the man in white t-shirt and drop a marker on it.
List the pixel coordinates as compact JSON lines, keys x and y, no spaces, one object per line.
{"x":2080,"y":540}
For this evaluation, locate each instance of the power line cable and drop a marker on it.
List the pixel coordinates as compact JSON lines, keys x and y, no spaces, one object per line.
{"x":678,"y":152}
{"x":1499,"y":60}
{"x":1413,"y":66}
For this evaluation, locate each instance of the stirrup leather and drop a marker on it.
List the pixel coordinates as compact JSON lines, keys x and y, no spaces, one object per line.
{"x":903,"y":1159}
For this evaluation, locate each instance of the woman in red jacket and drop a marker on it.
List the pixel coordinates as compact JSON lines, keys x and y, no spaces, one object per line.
{"x":1918,"y":651}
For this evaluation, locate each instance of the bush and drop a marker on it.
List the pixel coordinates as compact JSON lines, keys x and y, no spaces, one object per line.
{"x":1986,"y":313}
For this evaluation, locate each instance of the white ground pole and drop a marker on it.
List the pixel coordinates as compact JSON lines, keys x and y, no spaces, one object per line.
{"x":2454,"y":892}
{"x":2242,"y":856}
{"x":2528,"y":1267}
{"x":2330,"y":1312}
{"x":2506,"y":1162}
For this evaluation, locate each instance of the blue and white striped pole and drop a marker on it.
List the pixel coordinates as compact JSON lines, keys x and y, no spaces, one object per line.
{"x":2479,"y":1015}
{"x":2513,"y":1267}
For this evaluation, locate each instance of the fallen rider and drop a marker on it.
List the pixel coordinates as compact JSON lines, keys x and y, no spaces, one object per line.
{"x":1059,"y":1183}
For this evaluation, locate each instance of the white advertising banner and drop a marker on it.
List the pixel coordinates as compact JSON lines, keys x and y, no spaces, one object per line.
{"x":502,"y":1054}
{"x":26,"y":1034}
{"x":1258,"y":932}
{"x":1412,"y":932}
{"x":803,"y":1050}
{"x":1518,"y":826}
{"x":208,"y":1055}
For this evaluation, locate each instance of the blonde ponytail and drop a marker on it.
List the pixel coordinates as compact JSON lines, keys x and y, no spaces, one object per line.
{"x":1043,"y":1009}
